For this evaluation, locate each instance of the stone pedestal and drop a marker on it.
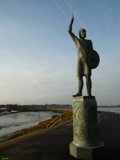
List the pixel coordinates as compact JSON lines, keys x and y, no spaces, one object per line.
{"x":86,"y":143}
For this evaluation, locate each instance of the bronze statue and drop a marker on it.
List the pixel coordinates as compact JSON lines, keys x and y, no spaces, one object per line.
{"x":87,"y":59}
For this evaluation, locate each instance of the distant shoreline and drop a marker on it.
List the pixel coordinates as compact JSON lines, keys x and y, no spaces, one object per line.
{"x":108,"y":106}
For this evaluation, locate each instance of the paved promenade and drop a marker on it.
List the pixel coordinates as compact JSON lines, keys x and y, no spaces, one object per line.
{"x":54,"y":144}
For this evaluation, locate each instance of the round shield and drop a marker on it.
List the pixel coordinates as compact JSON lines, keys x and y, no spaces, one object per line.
{"x":92,"y":59}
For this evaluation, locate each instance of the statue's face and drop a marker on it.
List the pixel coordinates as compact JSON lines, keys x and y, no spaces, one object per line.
{"x":82,"y":34}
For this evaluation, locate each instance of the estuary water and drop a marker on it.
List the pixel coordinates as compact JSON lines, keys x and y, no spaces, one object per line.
{"x":115,"y":110}
{"x":15,"y":122}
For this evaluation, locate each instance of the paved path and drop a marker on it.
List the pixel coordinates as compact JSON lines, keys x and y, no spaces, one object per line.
{"x":54,"y":144}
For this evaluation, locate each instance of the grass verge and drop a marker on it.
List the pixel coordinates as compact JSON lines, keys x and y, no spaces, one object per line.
{"x":66,"y":115}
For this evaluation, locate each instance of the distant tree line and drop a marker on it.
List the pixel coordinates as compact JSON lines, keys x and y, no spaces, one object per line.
{"x":34,"y":107}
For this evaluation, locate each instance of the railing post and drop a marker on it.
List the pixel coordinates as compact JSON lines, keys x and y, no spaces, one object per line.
{"x":54,"y":121}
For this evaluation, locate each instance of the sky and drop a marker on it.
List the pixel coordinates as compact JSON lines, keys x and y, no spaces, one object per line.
{"x":38,"y":57}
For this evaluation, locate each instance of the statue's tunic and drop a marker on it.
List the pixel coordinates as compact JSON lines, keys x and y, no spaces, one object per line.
{"x":83,"y":46}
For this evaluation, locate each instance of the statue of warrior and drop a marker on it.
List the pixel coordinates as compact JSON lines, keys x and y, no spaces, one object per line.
{"x":87,"y":59}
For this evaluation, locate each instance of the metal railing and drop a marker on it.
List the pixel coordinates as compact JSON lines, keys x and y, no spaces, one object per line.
{"x":54,"y":121}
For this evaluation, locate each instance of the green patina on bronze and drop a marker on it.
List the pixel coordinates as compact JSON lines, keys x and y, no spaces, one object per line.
{"x":86,"y":143}
{"x":88,"y":59}
{"x":85,"y":122}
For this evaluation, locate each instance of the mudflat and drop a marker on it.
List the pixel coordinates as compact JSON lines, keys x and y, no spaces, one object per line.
{"x":53,"y":144}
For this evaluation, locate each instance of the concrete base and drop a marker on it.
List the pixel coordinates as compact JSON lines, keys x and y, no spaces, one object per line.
{"x":87,"y":153}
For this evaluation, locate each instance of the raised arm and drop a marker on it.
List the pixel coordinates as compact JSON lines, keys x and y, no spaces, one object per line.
{"x":70,"y":26}
{"x":70,"y":31}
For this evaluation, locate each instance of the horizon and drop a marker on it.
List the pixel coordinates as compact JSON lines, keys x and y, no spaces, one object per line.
{"x":55,"y":104}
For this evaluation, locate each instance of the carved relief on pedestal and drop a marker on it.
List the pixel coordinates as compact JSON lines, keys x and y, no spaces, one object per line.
{"x":85,"y":123}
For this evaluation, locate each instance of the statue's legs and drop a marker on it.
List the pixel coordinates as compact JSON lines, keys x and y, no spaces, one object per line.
{"x":80,"y":85}
{"x":88,"y":84}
